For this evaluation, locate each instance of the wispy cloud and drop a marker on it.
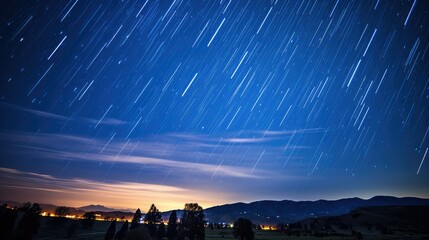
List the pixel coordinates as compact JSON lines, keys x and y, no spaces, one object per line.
{"x":246,"y":140}
{"x":294,"y":131}
{"x":170,"y":162}
{"x":252,"y":136}
{"x":58,"y":117}
{"x":175,"y":159}
{"x":74,"y":148}
{"x":119,"y":194}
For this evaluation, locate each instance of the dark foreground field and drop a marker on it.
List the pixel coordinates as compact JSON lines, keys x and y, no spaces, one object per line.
{"x":393,"y":222}
{"x":216,"y":234}
{"x":99,"y":229}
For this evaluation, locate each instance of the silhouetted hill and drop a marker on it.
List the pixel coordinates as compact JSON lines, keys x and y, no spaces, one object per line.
{"x":286,"y":211}
{"x":101,"y":208}
{"x":262,"y":212}
{"x":51,"y":208}
{"x":10,"y":203}
{"x":96,"y":208}
{"x":376,"y":222}
{"x":45,"y":207}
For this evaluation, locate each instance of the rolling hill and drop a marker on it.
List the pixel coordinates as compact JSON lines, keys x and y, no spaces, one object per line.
{"x":286,"y":211}
{"x":264,"y":212}
{"x":376,"y":222}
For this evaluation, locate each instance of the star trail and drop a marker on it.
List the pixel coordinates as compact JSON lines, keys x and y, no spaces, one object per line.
{"x":125,"y":103}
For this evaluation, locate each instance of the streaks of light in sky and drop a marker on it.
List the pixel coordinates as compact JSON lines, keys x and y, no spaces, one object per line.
{"x":40,"y":79}
{"x":217,"y":30}
{"x":190,"y":83}
{"x":318,"y":91}
{"x":354,"y":72}
{"x":239,"y":64}
{"x":57,"y":47}
{"x":369,"y":44}
{"x":101,"y":119}
{"x":67,"y":13}
{"x":262,"y":24}
{"x":421,"y":163}
{"x":260,"y":156}
{"x":409,"y":13}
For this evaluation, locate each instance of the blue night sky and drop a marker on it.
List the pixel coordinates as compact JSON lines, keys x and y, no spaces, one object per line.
{"x":125,"y":103}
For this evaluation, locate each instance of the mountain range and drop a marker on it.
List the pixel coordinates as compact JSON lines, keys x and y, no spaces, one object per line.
{"x":286,"y":211}
{"x":265,"y":212}
{"x":101,"y":208}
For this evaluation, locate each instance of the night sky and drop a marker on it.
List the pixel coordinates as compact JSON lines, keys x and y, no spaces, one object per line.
{"x":128,"y":103}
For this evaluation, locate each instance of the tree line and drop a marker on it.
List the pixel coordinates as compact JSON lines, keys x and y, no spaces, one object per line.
{"x":24,"y":222}
{"x":28,"y":221}
{"x":191,"y":226}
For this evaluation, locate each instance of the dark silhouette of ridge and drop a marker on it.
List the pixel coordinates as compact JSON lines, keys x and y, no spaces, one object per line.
{"x":286,"y":211}
{"x":267,"y":211}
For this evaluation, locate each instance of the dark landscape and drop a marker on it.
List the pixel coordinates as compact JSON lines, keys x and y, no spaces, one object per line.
{"x":380,"y":217}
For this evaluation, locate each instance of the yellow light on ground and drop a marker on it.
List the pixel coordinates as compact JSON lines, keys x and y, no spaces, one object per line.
{"x":268,"y":228}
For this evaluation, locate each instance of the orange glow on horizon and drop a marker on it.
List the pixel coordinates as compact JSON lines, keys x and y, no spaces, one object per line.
{"x":119,"y":195}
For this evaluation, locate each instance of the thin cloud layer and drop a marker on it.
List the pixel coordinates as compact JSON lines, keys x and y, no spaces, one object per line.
{"x":52,"y":116}
{"x":205,"y":158}
{"x":78,"y":192}
{"x":171,"y":163}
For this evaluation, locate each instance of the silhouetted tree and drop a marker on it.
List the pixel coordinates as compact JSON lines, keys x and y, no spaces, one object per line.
{"x":30,"y":221}
{"x":62,"y":211}
{"x":121,"y":233}
{"x":7,"y":221}
{"x":160,"y":233}
{"x":152,"y":217}
{"x":136,"y":219}
{"x":110,"y":234}
{"x":88,"y":220}
{"x":243,"y":229}
{"x":172,"y":226}
{"x":192,"y":222}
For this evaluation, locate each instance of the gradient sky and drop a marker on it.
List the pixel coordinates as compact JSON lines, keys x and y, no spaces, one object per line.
{"x":128,"y":103}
